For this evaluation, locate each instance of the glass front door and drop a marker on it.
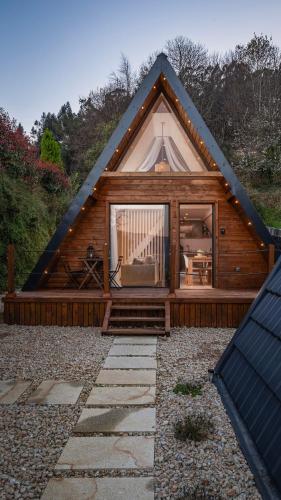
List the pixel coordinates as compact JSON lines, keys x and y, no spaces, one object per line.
{"x":139,"y":239}
{"x":196,"y":246}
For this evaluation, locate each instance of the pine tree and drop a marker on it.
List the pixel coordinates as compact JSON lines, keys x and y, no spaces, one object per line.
{"x":50,"y":149}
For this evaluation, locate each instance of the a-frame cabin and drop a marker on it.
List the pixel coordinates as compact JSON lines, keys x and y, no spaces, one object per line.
{"x":160,"y":234}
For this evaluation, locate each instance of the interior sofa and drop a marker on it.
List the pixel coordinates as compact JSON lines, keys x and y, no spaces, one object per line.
{"x":140,"y":273}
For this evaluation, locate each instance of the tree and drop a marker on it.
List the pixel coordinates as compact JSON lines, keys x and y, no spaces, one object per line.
{"x":50,"y":149}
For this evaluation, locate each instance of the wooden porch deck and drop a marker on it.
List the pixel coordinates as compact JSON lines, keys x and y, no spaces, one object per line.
{"x":210,"y":307}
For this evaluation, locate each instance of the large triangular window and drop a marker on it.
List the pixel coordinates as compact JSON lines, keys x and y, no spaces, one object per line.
{"x":161,"y":145}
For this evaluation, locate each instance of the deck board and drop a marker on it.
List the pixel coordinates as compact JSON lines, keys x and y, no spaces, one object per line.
{"x":210,"y":307}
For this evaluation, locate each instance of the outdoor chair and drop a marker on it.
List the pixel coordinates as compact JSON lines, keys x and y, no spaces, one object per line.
{"x":113,"y":273}
{"x":74,"y":276}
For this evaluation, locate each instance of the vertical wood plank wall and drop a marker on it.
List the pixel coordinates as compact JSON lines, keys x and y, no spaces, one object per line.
{"x":236,"y":249}
{"x":91,"y":314}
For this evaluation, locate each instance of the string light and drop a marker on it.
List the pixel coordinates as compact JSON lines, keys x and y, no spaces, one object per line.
{"x":189,"y":121}
{"x":70,"y":230}
{"x":262,"y":244}
{"x":177,"y":100}
{"x":154,"y":86}
{"x":201,"y":142}
{"x":129,"y":129}
{"x":45,"y":272}
{"x":164,"y":78}
{"x":226,"y":184}
{"x":214,"y":164}
{"x":95,"y":189}
{"x":83,"y":208}
{"x":249,"y":223}
{"x":236,"y":202}
{"x":142,"y":107}
{"x":117,"y":150}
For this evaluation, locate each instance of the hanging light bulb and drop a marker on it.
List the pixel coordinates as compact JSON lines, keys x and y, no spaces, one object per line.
{"x":163,"y":165}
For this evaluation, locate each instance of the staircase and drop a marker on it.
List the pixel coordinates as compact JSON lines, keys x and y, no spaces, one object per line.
{"x":136,"y":319}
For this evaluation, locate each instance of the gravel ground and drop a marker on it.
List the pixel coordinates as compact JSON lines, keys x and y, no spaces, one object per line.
{"x":32,"y":437}
{"x":216,"y":466}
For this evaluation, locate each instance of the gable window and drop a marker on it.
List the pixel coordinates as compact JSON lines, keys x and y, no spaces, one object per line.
{"x":162,"y":145}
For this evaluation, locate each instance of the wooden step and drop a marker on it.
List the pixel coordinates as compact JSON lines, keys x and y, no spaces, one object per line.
{"x":155,"y":319}
{"x":134,"y":331}
{"x":130,"y":307}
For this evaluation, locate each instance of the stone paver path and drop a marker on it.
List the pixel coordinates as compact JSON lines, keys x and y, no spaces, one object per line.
{"x":11,"y":390}
{"x":124,"y":396}
{"x":54,"y":392}
{"x":106,"y":488}
{"x":116,"y":429}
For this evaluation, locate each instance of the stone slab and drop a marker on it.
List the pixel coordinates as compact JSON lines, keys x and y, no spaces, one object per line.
{"x":116,"y":420}
{"x":55,"y":392}
{"x":107,"y":452}
{"x":126,"y":377}
{"x":146,"y":340}
{"x":11,"y":390}
{"x":122,"y":396}
{"x":134,"y":362}
{"x":106,"y":488}
{"x":132,"y":350}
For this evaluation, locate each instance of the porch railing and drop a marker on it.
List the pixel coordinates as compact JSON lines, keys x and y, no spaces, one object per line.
{"x":54,"y":272}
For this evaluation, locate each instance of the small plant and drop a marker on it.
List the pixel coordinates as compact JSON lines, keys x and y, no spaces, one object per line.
{"x":194,"y":427}
{"x":188,"y":388}
{"x":198,"y":492}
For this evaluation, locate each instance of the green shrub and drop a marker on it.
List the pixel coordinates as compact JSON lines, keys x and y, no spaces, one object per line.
{"x":188,"y":388}
{"x":194,"y":427}
{"x":28,"y":218}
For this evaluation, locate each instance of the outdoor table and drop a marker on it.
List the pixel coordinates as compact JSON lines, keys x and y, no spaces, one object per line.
{"x":91,"y":271}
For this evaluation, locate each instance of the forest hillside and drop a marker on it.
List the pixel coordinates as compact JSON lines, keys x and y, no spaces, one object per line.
{"x":238,"y":94}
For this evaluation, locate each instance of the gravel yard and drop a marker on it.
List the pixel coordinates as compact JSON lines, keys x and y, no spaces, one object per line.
{"x":33,"y":436}
{"x":215,"y":466}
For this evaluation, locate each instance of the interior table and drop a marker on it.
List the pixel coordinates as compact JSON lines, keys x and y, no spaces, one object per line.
{"x":201,"y":265}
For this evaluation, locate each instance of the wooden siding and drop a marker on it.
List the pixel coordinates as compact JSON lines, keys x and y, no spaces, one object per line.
{"x":237,"y":248}
{"x":82,"y":312}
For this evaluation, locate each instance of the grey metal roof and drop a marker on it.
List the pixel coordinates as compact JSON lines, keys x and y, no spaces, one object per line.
{"x":248,"y":377}
{"x":161,"y":66}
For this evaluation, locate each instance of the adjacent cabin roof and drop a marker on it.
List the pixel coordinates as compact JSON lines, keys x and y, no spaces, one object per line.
{"x":248,"y":377}
{"x":160,"y":79}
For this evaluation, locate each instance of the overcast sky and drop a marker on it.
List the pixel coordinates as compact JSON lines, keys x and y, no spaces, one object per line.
{"x":58,"y":50}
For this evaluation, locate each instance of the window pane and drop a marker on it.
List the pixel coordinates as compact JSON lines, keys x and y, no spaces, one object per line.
{"x":196,"y":246}
{"x":139,"y":233}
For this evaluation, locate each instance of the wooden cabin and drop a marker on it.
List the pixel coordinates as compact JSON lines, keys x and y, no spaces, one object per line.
{"x":160,"y":234}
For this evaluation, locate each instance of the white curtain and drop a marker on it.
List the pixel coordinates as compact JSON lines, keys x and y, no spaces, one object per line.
{"x":177,"y":164}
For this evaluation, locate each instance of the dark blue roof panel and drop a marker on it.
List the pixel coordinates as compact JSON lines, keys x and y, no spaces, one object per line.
{"x":248,"y":377}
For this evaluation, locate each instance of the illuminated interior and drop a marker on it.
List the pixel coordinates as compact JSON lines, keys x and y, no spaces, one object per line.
{"x":196,"y":246}
{"x":161,"y":145}
{"x":139,"y":235}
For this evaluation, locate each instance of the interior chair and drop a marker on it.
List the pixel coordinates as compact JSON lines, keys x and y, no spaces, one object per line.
{"x":74,"y":276}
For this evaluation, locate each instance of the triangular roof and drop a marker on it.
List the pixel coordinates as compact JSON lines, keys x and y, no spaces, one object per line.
{"x":248,"y":377}
{"x":161,"y":74}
